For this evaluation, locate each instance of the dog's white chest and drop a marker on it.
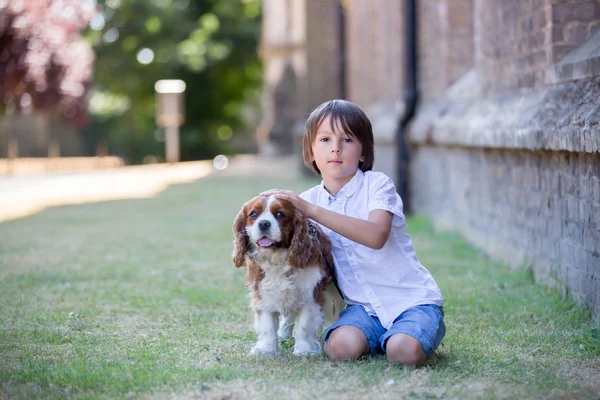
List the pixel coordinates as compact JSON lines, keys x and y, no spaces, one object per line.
{"x":285,"y":290}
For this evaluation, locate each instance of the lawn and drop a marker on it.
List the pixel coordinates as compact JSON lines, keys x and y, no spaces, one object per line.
{"x":139,"y":299}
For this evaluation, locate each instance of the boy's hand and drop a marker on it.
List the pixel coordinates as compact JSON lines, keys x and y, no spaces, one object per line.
{"x":302,"y":205}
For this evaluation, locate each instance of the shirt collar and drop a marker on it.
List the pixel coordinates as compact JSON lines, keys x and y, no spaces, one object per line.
{"x":346,"y":191}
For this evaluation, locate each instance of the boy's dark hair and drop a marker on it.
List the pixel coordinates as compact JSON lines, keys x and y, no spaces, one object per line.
{"x":351,"y":119}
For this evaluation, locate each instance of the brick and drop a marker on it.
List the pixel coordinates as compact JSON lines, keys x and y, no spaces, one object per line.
{"x":560,"y":50}
{"x":539,"y":20}
{"x":595,"y":189}
{"x":586,"y":212}
{"x":555,"y":33}
{"x":585,"y":11}
{"x":594,"y":210}
{"x":591,"y":238}
{"x":540,"y":75}
{"x":556,"y":227}
{"x":530,"y":179}
{"x":576,"y":34}
{"x":594,"y":266}
{"x":537,"y":40}
{"x":572,"y":208}
{"x":593,"y":27}
{"x":573,"y":231}
{"x":544,"y":178}
{"x":569,"y":186}
{"x":568,"y":251}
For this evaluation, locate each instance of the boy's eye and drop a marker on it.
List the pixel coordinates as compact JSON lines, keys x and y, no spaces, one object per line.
{"x":347,"y":140}
{"x":324,"y":139}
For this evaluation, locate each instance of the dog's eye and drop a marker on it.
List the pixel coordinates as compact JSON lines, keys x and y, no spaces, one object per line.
{"x":253,"y":214}
{"x":279,"y":214}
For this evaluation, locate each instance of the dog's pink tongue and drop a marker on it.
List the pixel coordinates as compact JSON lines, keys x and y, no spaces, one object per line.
{"x":265,"y":242}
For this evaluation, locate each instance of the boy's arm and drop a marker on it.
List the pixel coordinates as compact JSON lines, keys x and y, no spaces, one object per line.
{"x":372,"y":233}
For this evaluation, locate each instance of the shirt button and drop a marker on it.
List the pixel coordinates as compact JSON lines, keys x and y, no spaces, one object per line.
{"x":349,"y":252}
{"x":358,"y":276}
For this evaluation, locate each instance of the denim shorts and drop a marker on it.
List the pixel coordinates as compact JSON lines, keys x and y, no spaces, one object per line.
{"x":425,"y":323}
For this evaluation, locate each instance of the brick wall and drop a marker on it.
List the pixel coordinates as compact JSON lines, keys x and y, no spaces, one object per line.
{"x":459,"y":37}
{"x":431,"y":37}
{"x":534,"y":209}
{"x":446,"y":44}
{"x":512,"y":47}
{"x":571,"y":22}
{"x":519,"y":39}
{"x":512,"y":42}
{"x":504,"y":154}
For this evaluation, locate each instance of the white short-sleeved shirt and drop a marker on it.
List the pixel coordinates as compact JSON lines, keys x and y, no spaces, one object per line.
{"x":387,"y":281}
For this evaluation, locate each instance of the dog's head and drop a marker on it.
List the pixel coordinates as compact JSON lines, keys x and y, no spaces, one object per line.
{"x":265,"y":225}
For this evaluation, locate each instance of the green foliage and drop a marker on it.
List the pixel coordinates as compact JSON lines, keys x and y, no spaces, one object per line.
{"x":210,"y":44}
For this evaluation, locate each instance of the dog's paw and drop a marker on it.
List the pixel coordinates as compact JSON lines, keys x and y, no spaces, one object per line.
{"x":264,"y":349}
{"x":307,"y":348}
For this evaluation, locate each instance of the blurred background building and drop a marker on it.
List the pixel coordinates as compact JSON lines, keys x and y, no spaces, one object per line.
{"x":77,"y":77}
{"x":45,"y":68}
{"x":503,"y":144}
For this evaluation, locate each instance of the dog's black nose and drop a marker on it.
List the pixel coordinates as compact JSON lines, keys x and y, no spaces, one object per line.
{"x":264,"y":225}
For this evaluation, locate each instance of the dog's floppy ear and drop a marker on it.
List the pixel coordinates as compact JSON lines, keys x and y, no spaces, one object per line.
{"x":329,"y":266}
{"x":326,"y":251}
{"x":242,"y":243}
{"x":300,"y":249}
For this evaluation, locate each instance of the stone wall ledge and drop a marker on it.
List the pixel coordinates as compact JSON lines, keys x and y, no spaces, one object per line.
{"x":563,"y":117}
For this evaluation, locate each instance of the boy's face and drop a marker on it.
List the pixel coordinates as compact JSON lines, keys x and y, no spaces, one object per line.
{"x":336,"y":153}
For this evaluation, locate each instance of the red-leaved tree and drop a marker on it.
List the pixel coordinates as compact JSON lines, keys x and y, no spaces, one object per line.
{"x":45,"y":64}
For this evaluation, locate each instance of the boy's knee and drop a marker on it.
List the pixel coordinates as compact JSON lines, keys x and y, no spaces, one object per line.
{"x":405,"y":350}
{"x":346,"y":343}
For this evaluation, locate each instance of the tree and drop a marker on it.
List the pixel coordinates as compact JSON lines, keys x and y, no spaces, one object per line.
{"x":210,"y":44}
{"x":45,"y":64}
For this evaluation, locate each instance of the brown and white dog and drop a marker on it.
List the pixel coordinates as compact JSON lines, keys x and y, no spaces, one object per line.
{"x":289,"y":273}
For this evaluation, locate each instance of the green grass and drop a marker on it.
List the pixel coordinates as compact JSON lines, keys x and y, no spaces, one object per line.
{"x":139,"y":298}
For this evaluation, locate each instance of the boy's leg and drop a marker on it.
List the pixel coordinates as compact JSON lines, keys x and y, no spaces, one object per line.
{"x":354,"y":335}
{"x":404,"y":349}
{"x":415,"y":334}
{"x":346,"y":343}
